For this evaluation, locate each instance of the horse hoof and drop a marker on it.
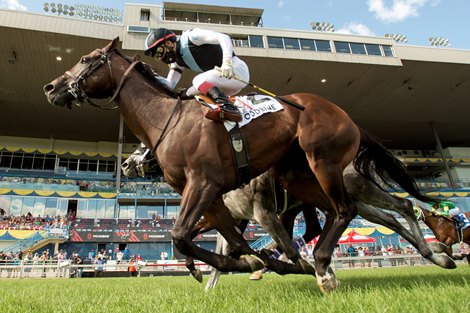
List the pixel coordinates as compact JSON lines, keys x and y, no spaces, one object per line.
{"x":438,"y":247}
{"x":254,"y":262}
{"x":197,"y":275}
{"x":258,"y":275}
{"x":444,"y":261}
{"x":327,"y":283}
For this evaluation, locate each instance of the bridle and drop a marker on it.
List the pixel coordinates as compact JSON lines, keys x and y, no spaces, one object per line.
{"x":79,"y":94}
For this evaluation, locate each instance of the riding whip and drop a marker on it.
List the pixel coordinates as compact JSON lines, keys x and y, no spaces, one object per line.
{"x":295,"y":105}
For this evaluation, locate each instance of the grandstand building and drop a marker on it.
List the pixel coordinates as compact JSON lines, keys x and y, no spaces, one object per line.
{"x":66,"y":162}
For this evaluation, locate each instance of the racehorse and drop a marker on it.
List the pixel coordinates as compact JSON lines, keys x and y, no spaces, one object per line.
{"x":197,"y":161}
{"x":249,"y":203}
{"x":444,"y":229}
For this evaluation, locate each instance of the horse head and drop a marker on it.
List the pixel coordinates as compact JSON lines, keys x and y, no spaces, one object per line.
{"x":86,"y":79}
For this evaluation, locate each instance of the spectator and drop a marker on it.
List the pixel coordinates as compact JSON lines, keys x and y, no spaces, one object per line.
{"x":99,"y":267}
{"x":131,"y":268}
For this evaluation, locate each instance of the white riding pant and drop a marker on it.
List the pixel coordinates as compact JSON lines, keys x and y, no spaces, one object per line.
{"x":229,"y":87}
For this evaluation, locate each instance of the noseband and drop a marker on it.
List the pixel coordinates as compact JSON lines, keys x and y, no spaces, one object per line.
{"x":79,"y":94}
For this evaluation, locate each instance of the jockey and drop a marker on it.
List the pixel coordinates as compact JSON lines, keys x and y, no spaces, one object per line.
{"x":441,"y":208}
{"x":206,"y":52}
{"x":460,"y":218}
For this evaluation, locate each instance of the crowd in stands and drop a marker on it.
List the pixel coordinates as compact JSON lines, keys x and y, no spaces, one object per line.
{"x":29,"y":222}
{"x":150,"y":188}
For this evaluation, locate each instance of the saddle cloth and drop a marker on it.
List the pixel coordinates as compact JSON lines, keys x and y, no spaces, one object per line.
{"x":251,"y":107}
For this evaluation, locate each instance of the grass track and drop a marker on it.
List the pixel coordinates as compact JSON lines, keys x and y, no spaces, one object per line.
{"x":420,"y":289}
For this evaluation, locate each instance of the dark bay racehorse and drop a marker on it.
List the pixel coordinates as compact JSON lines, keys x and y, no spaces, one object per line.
{"x":196,"y":158}
{"x":444,"y":229}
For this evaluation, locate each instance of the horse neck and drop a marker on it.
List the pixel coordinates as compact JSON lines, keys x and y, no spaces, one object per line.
{"x":144,"y":108}
{"x":442,"y":228}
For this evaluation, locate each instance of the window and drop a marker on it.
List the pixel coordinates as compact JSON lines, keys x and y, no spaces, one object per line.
{"x":373,"y":49}
{"x":342,"y":47}
{"x":292,"y":43}
{"x":323,"y":45}
{"x":51,"y":207}
{"x":387,"y":51}
{"x":39,"y":206}
{"x":145,"y":15}
{"x":256,"y":41}
{"x":5,"y":159}
{"x":28,"y":204}
{"x":307,"y":44}
{"x":138,"y":29}
{"x":275,"y":42}
{"x":357,"y":48}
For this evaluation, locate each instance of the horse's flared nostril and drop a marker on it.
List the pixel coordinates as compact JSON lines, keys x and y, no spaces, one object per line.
{"x":48,"y":88}
{"x":124,"y":165}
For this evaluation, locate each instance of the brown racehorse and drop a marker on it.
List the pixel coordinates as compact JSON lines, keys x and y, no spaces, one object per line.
{"x":444,"y":229}
{"x":197,"y":161}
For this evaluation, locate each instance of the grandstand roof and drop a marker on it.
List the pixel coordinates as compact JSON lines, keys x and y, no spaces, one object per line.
{"x":395,"y":99}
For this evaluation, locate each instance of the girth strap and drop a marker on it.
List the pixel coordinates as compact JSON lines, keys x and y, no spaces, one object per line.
{"x":240,"y":155}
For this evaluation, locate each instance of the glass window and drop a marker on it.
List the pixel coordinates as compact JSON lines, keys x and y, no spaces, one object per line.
{"x":100,"y":208}
{"x":28,"y":204}
{"x":307,"y":44}
{"x":387,"y":51}
{"x":15,"y":208}
{"x":51,"y":207}
{"x":62,"y":207}
{"x":17,"y":160}
{"x":172,"y":211}
{"x":109,"y":211}
{"x":342,"y":47}
{"x":5,"y":202}
{"x":123,"y":211}
{"x":81,"y":208}
{"x":357,"y":48}
{"x":38,"y":162}
{"x":292,"y":43}
{"x":5,"y":159}
{"x":49,"y":162}
{"x":323,"y":45}
{"x":39,"y":206}
{"x":91,"y":210}
{"x":373,"y":49}
{"x":28,"y":161}
{"x":275,"y":42}
{"x":256,"y":41}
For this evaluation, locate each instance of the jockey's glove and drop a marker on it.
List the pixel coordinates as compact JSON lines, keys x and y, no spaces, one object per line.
{"x":227,"y":68}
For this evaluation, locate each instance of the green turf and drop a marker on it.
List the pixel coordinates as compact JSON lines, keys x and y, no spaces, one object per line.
{"x":417,"y":289}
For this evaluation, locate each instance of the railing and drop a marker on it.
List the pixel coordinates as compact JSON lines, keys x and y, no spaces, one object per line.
{"x":24,"y":244}
{"x":262,"y":242}
{"x":65,"y":269}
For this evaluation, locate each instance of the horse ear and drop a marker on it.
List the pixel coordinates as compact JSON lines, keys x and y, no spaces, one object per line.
{"x":112,"y":45}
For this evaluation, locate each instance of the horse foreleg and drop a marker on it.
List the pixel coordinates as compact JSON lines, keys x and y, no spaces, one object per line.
{"x":192,"y":208}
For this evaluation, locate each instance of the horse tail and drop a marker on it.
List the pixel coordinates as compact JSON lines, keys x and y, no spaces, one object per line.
{"x":373,"y":159}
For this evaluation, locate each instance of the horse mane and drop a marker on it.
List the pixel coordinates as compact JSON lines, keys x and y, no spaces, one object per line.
{"x":146,"y":71}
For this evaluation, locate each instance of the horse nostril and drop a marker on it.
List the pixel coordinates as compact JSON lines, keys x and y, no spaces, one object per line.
{"x":48,"y":88}
{"x":124,"y":165}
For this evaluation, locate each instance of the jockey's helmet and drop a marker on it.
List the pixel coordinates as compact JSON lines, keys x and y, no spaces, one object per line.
{"x":157,"y":38}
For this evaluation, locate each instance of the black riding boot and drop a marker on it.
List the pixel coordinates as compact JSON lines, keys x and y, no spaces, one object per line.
{"x":227,"y":110}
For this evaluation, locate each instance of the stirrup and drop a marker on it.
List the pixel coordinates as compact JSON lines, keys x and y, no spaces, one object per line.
{"x":224,"y":113}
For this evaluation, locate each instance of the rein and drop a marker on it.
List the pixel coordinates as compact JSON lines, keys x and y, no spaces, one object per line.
{"x":77,"y":92}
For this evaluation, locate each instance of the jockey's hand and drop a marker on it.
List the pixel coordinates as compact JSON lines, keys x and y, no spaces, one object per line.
{"x":227,"y":68}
